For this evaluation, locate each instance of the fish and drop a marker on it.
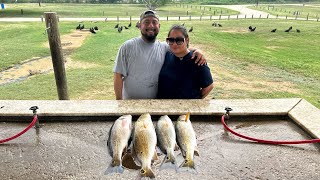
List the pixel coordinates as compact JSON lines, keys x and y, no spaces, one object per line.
{"x":144,"y":145}
{"x":186,"y":138}
{"x":166,"y":138}
{"x":119,"y":136}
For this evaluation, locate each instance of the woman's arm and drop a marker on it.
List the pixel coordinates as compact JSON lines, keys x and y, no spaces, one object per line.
{"x":206,"y":91}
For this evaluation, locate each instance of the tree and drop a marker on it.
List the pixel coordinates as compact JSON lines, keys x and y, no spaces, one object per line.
{"x":153,"y":4}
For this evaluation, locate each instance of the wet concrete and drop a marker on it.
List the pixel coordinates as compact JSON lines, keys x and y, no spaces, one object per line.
{"x":78,"y":150}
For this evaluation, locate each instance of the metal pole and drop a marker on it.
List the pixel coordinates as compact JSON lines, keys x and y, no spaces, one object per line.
{"x":56,"y":54}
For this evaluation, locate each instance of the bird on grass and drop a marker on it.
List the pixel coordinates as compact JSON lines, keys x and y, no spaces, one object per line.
{"x":119,"y":29}
{"x":96,"y":28}
{"x":82,"y":27}
{"x":214,"y":24}
{"x":116,"y":26}
{"x":126,"y":27}
{"x":250,"y":27}
{"x":273,"y":30}
{"x":78,"y":27}
{"x":253,"y":29}
{"x":219,"y":25}
{"x":289,"y":29}
{"x":298,"y":31}
{"x":129,"y":25}
{"x":92,"y":31}
{"x":191,"y":29}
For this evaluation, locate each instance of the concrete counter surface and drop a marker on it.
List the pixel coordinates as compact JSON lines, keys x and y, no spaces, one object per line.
{"x":154,"y":107}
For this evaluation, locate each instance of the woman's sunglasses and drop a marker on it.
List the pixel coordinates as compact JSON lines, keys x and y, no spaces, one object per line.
{"x":178,"y":40}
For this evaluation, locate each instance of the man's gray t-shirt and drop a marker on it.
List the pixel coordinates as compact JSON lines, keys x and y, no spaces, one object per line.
{"x":140,"y":63}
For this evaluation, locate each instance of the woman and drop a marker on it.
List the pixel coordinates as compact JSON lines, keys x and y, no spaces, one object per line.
{"x":180,"y":77}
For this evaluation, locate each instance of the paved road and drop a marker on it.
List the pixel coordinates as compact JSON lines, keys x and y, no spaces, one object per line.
{"x":245,"y":12}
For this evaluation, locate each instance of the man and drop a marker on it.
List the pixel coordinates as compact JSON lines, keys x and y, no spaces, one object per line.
{"x":139,"y":61}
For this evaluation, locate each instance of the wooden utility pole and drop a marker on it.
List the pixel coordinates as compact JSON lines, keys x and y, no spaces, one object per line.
{"x":56,"y":54}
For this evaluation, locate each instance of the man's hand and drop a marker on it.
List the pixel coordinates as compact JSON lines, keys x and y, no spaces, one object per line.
{"x":200,"y":59}
{"x":117,"y":85}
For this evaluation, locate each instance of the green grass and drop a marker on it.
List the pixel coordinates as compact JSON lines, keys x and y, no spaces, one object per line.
{"x":289,"y":57}
{"x":288,"y":10}
{"x":104,"y":10}
{"x":22,"y":41}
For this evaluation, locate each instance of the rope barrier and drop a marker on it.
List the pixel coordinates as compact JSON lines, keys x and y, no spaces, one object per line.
{"x":35,"y":118}
{"x":266,"y":141}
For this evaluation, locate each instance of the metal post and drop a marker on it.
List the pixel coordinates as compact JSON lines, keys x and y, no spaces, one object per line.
{"x":57,"y":55}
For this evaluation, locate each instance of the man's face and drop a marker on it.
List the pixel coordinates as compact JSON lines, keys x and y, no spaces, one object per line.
{"x":149,"y":28}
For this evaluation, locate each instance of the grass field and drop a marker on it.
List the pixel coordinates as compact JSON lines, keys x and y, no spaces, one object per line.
{"x":105,"y":10}
{"x":289,"y":10}
{"x":244,"y":65}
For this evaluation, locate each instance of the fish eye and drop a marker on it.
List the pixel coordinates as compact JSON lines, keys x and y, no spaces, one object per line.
{"x":167,"y":157}
{"x":141,"y":152}
{"x":142,"y":171}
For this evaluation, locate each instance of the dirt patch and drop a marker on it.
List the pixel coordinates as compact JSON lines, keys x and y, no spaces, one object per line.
{"x":42,"y":65}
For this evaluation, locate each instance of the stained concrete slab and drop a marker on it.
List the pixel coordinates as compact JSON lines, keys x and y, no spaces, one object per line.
{"x":77,"y":150}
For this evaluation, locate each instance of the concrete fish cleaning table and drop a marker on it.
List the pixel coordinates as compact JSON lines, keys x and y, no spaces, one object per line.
{"x":71,"y":143}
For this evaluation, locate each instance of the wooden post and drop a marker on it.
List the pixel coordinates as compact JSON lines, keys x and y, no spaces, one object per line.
{"x":179,"y":18}
{"x":277,"y":16}
{"x":228,"y":17}
{"x":286,"y":17}
{"x":252,"y":16}
{"x":200,"y":17}
{"x":268,"y":16}
{"x":245,"y":16}
{"x":117,"y":18}
{"x":167,"y":18}
{"x":318,"y":20}
{"x":220,"y":16}
{"x":41,"y":18}
{"x":57,"y":55}
{"x":260,"y":16}
{"x":237,"y":16}
{"x":308,"y":17}
{"x":189,"y":18}
{"x":130,"y":18}
{"x":210,"y":17}
{"x":21,"y":11}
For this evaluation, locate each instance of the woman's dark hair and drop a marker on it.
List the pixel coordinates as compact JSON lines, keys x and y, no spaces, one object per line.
{"x":180,"y":28}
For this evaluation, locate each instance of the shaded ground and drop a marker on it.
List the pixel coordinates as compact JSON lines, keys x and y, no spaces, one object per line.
{"x":78,"y":151}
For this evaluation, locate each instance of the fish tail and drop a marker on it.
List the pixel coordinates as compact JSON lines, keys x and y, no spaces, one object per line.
{"x":114,"y":169}
{"x":188,"y":165}
{"x":169,"y":162}
{"x":147,"y":172}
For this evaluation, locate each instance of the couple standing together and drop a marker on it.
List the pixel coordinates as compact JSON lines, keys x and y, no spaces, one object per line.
{"x":147,"y":69}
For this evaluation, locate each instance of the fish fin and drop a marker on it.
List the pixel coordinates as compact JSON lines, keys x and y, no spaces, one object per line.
{"x":114,"y":169}
{"x":169,"y":162}
{"x":147,"y":172}
{"x":159,"y":151}
{"x":109,"y":141}
{"x":196,"y":151}
{"x":129,"y":162}
{"x":187,"y":165}
{"x":176,"y":147}
{"x":155,"y":156}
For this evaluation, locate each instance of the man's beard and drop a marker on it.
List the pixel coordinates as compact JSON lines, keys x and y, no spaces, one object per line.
{"x":151,"y":38}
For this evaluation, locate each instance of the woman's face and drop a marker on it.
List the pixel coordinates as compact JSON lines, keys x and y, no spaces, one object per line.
{"x":177,"y":42}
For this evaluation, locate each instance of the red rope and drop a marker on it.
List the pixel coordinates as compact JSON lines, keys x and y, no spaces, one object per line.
{"x":35,"y":118}
{"x":267,"y":141}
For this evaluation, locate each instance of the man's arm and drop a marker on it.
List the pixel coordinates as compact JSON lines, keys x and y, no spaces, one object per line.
{"x":117,"y":85}
{"x":206,"y":91}
{"x":201,"y":60}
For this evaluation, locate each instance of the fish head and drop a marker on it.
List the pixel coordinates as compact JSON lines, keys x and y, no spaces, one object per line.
{"x":126,"y":121}
{"x":144,"y":121}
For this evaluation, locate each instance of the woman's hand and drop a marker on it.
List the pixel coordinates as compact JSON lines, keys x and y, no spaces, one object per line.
{"x":199,"y":57}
